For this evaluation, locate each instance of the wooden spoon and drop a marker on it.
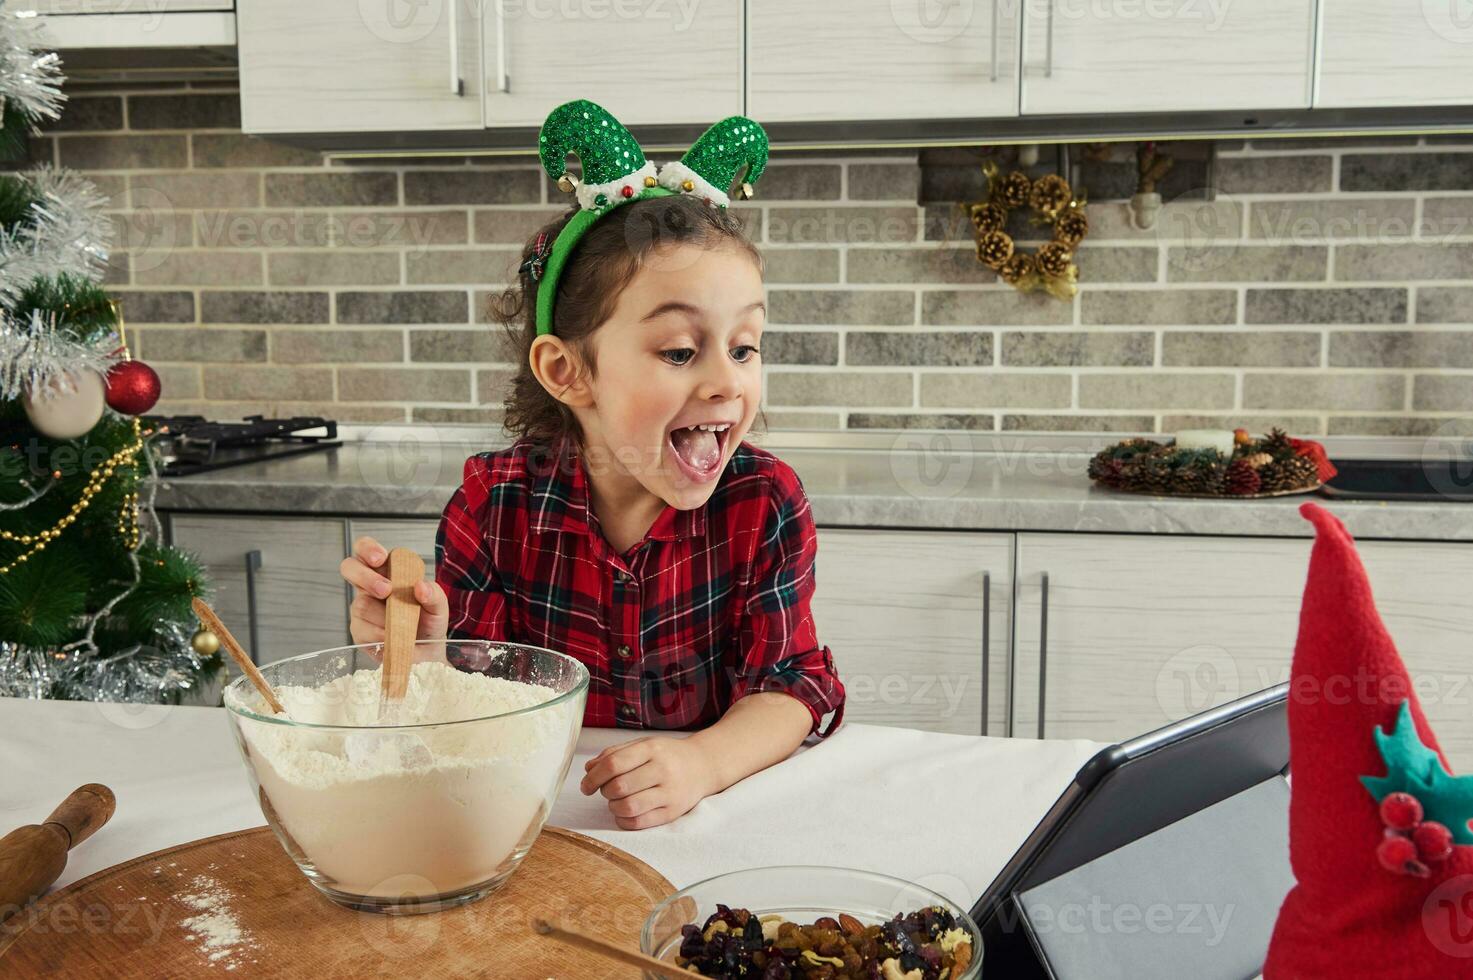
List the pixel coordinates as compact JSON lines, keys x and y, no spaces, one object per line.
{"x":237,"y":653}
{"x":401,"y":622}
{"x":613,"y":951}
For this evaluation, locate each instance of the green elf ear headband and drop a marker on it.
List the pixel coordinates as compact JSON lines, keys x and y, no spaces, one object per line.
{"x":615,"y":172}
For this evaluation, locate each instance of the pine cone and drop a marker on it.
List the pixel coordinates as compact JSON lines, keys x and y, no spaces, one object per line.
{"x":1049,"y":194}
{"x":1242,"y":479}
{"x":994,"y":248}
{"x":1200,"y":478}
{"x":988,"y":217}
{"x":1151,"y":474}
{"x":1276,"y":444}
{"x":1071,"y":227}
{"x":1054,"y":260}
{"x":1293,"y":473}
{"x":1105,"y":469}
{"x":1016,"y":269}
{"x":1014,"y":189}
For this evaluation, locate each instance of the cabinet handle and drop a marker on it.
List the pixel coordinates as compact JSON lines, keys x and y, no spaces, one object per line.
{"x":1042,"y":652}
{"x":457,"y":84}
{"x":253,"y":565}
{"x":1048,"y":59}
{"x":994,"y":53}
{"x":503,"y":80}
{"x":986,"y":645}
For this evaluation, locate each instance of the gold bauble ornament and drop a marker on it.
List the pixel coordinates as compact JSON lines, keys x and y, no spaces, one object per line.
{"x":205,"y":642}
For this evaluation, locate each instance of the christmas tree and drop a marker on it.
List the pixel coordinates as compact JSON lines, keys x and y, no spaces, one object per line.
{"x":92,"y":605}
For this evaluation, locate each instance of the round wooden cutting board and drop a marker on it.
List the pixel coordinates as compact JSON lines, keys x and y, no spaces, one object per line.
{"x":136,"y":920}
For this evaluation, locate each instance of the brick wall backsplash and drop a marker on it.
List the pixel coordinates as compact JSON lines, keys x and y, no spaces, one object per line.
{"x":1324,"y":285}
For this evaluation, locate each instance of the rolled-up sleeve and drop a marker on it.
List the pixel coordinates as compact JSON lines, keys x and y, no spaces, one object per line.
{"x":464,"y":563}
{"x":779,"y":642}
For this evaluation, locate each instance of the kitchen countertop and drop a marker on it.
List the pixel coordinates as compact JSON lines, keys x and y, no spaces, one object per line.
{"x":178,"y":777}
{"x":909,"y":485}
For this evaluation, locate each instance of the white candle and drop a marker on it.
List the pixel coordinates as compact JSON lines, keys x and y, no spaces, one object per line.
{"x":1219,"y":439}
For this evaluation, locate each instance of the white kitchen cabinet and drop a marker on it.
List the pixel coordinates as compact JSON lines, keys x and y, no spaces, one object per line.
{"x":113,"y":7}
{"x":1166,"y":55}
{"x":1374,"y":53}
{"x":913,"y":619}
{"x":276,"y":579}
{"x":343,"y":66}
{"x":881,"y":59}
{"x":645,"y":63}
{"x":1132,"y":632}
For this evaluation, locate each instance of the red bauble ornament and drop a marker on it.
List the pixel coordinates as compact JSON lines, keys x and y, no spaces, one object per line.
{"x":132,"y":388}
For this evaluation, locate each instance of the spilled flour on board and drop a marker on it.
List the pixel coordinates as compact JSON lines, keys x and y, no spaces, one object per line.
{"x":215,"y":926}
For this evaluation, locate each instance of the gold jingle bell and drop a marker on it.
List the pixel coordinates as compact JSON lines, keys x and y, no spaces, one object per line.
{"x":205,"y":642}
{"x":567,"y":183}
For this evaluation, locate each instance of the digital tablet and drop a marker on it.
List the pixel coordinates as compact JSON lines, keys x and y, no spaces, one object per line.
{"x":1216,"y":780}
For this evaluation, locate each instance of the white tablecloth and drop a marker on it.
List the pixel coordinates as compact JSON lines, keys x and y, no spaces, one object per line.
{"x":942,"y":810}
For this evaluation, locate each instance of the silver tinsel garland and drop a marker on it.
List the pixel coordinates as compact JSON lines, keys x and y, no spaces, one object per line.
{"x":66,"y":233}
{"x":34,"y":357}
{"x":30,"y":75}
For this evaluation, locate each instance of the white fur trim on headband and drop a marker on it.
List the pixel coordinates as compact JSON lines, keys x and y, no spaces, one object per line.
{"x":675,"y":173}
{"x":614,"y":188}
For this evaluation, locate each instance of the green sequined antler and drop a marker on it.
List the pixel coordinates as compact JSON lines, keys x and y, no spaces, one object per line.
{"x":586,"y":129}
{"x":711,"y":164}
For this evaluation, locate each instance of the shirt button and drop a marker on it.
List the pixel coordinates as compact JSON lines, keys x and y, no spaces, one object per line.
{"x":624,"y":651}
{"x":622,"y":578}
{"x":626,"y":712}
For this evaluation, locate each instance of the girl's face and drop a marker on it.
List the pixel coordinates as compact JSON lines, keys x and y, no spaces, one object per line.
{"x":679,"y":378}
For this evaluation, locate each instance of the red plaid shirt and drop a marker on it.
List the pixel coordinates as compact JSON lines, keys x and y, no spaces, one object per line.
{"x":711,"y":606}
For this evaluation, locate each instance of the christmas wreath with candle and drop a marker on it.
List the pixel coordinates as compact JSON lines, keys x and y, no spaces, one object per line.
{"x":1268,"y":467}
{"x":1051,"y":268}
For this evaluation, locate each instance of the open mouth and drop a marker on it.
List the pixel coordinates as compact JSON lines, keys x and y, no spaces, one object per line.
{"x":698,"y":449}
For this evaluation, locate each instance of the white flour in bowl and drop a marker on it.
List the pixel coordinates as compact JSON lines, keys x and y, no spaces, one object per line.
{"x":381,"y":829}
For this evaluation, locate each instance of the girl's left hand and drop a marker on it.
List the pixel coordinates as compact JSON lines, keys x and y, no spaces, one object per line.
{"x":649,"y":781}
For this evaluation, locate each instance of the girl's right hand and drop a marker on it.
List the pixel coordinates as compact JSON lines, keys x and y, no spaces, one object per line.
{"x":370,"y":588}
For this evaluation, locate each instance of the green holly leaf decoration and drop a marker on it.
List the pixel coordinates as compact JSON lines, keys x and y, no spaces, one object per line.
{"x":1411,"y":767}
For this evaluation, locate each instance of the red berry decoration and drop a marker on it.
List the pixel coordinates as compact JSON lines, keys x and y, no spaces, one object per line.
{"x":1401,"y":811}
{"x":132,"y":387}
{"x":1434,"y":842}
{"x":1399,"y":855}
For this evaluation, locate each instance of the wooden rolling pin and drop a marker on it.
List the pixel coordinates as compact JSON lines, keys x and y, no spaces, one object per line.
{"x":34,"y":856}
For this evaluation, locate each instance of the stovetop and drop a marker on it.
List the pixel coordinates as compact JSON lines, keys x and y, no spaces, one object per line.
{"x":193,"y":444}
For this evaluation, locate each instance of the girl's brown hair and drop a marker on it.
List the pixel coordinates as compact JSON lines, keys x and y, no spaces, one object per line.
{"x":603,"y":263}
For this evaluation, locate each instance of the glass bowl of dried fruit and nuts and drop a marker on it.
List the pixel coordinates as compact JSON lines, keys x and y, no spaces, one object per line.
{"x":805,"y":923}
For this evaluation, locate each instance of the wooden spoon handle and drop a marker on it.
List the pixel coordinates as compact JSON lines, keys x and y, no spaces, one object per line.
{"x":613,"y":951}
{"x":401,"y":621}
{"x":237,"y":653}
{"x":81,"y":813}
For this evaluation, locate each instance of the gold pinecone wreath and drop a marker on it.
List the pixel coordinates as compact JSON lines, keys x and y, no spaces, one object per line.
{"x":1050,"y":269}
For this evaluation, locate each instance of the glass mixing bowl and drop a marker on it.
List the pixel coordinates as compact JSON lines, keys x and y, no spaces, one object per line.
{"x":800,"y":894}
{"x":411,"y":817}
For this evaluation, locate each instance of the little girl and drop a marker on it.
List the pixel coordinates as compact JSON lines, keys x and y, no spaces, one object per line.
{"x":630,"y":526}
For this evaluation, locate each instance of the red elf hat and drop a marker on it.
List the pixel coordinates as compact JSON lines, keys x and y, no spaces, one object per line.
{"x":1378,"y":826}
